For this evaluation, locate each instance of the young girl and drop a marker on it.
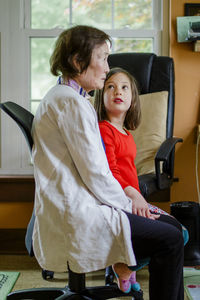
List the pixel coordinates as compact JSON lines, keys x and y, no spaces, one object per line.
{"x":118,"y":109}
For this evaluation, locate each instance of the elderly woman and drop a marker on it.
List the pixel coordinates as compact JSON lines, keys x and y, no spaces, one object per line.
{"x":82,"y":213}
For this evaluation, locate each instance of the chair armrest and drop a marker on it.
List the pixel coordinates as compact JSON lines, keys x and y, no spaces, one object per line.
{"x":166,"y":148}
{"x":165,"y":154}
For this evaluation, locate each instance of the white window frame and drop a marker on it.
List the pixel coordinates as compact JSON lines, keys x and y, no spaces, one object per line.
{"x":155,"y":34}
{"x":15,"y":71}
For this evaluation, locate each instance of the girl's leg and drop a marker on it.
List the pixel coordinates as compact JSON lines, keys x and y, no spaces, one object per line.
{"x":134,"y":284}
{"x":122,"y":273}
{"x":126,"y":278}
{"x":162,"y":241}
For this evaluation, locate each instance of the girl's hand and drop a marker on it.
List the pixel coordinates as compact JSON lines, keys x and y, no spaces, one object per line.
{"x":140,"y":207}
{"x":139,"y":204}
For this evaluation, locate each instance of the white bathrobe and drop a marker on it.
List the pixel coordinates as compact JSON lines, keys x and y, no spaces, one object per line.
{"x":78,"y":203}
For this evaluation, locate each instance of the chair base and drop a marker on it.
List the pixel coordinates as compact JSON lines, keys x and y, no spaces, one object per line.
{"x":90,"y":293}
{"x":76,"y":290}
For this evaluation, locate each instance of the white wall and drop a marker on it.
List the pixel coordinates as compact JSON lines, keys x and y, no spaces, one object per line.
{"x":14,"y":152}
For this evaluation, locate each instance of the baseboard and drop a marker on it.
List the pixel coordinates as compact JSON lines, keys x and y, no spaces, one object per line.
{"x":12,"y":241}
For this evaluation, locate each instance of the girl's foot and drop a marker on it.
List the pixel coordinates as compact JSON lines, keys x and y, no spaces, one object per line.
{"x":122,"y":275}
{"x":134,"y":284}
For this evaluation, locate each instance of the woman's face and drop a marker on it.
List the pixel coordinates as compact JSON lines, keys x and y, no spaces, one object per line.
{"x":94,"y":77}
{"x":117,"y":95}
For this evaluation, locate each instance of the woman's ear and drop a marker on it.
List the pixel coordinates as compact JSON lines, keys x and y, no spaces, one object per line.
{"x":76,"y":63}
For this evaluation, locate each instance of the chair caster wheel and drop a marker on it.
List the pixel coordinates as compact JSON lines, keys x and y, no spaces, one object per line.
{"x":47,"y":274}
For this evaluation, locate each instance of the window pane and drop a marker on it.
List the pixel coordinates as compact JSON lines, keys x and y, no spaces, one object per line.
{"x":96,"y":13}
{"x":135,"y":14}
{"x":47,"y":14}
{"x":132,"y":45}
{"x":41,"y":78}
{"x":34,"y":106}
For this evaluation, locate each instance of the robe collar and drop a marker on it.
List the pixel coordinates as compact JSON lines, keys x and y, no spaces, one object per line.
{"x":73,"y":84}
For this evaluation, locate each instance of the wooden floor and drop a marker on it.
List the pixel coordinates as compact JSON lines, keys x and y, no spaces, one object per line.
{"x":30,"y":275}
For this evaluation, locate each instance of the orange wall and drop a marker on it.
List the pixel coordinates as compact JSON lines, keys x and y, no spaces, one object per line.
{"x":15,"y":215}
{"x":187,"y":107}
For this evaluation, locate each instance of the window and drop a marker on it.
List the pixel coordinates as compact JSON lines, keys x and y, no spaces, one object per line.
{"x":28,"y":32}
{"x":133,"y":26}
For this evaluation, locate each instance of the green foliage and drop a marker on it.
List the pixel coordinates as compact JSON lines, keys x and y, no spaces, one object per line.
{"x":133,"y":45}
{"x":45,"y":14}
{"x":41,"y":78}
{"x":126,"y":13}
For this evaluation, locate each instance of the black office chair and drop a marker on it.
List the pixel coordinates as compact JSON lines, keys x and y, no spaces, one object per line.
{"x":154,"y":74}
{"x":76,"y":288}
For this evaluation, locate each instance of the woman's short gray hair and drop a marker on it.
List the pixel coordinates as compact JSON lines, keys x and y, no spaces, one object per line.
{"x":75,"y":43}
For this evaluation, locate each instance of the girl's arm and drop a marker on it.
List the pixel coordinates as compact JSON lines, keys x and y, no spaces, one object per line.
{"x":139,"y":204}
{"x":110,"y":149}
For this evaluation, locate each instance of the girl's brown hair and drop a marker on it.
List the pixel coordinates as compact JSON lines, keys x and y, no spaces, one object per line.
{"x":133,"y":115}
{"x":76,"y":43}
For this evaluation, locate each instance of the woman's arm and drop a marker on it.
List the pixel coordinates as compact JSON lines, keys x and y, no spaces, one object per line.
{"x":79,"y":128}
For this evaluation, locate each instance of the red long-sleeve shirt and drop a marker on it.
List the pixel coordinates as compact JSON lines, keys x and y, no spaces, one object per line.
{"x":120,"y":151}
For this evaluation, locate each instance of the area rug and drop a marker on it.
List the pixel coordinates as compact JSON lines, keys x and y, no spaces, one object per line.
{"x":192,"y":283}
{"x":7,"y":281}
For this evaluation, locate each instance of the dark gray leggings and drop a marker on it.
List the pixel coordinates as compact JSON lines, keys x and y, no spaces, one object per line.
{"x":162,"y":241}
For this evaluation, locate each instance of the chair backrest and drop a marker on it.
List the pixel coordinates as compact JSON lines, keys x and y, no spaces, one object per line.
{"x":153,"y":74}
{"x":22,"y":117}
{"x":24,"y":120}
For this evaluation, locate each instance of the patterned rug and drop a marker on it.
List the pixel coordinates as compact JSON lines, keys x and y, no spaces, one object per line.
{"x":7,"y":281}
{"x":192,"y":283}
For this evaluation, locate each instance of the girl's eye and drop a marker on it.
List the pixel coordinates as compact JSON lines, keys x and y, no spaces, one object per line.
{"x":110,"y":86}
{"x":125,"y":87}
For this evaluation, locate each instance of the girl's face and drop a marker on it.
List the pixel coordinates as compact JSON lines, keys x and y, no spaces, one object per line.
{"x":117,"y":95}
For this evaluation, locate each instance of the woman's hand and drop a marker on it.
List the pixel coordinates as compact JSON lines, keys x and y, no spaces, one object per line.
{"x":139,"y":204}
